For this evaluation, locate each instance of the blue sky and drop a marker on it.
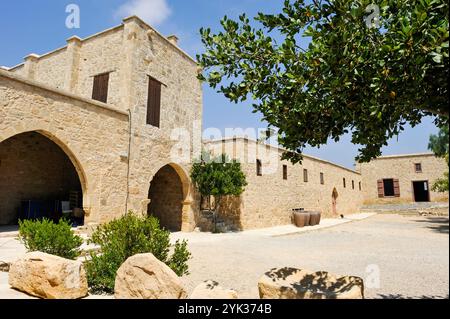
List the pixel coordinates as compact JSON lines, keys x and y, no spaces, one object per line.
{"x":38,"y":26}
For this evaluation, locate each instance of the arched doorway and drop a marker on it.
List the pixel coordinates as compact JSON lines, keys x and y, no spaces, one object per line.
{"x":167,"y":193}
{"x":334,"y":197}
{"x":38,"y":179}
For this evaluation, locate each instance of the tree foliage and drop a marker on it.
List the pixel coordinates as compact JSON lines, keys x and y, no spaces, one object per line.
{"x":439,"y":144}
{"x":351,"y":78}
{"x":218,"y":177}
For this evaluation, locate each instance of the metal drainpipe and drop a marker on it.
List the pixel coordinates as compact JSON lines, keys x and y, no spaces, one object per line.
{"x":129,"y":158}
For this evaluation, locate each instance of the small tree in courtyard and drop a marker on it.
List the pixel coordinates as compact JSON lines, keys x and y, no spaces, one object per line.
{"x":440,"y":146}
{"x":217,"y":177}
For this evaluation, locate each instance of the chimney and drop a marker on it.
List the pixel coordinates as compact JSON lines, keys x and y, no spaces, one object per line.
{"x":173,"y":39}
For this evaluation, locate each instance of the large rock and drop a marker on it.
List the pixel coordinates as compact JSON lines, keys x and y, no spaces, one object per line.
{"x":212,"y":290}
{"x":143,"y":276}
{"x":291,"y":283}
{"x":47,"y":276}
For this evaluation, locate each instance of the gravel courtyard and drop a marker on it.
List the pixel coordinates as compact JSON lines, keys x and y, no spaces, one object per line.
{"x":411,"y":253}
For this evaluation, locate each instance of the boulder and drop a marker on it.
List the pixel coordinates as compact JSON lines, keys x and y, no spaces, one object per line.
{"x":49,"y":277}
{"x":212,"y":290}
{"x":291,"y":283}
{"x":143,"y":276}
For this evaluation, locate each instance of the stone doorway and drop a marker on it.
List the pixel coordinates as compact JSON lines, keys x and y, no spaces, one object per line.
{"x":166,"y":196}
{"x":334,"y":197}
{"x":37,"y":180}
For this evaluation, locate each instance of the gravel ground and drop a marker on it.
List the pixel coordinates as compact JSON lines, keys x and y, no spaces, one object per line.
{"x":410,"y":252}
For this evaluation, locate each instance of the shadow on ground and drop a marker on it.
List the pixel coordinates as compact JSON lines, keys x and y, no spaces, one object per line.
{"x":437,"y":224}
{"x":400,"y":296}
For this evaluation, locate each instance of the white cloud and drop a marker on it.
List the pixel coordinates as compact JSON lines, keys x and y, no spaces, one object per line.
{"x":153,"y":12}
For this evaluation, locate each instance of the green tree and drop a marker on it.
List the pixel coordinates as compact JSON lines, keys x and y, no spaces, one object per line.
{"x":439,"y":144}
{"x":367,"y":70}
{"x":216,"y":177}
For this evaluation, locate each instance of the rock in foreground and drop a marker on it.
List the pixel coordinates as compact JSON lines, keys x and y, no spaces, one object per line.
{"x":49,"y":277}
{"x":143,"y":276}
{"x":212,"y":290}
{"x":291,"y":283}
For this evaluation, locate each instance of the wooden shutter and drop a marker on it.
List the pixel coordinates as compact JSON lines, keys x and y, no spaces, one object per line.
{"x":154,"y":102}
{"x":380,"y":188}
{"x":100,"y":88}
{"x":396,"y":188}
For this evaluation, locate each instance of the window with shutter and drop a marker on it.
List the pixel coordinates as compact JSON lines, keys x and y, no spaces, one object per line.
{"x":305,"y":175}
{"x":258,"y":167}
{"x":285,"y":174}
{"x":100,"y":87}
{"x":322,"y":179}
{"x":154,"y":102}
{"x":380,"y":188}
{"x":396,"y":188}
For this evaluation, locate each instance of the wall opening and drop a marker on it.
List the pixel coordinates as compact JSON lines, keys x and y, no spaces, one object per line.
{"x":421,"y":191}
{"x":37,"y":180}
{"x":166,"y":198}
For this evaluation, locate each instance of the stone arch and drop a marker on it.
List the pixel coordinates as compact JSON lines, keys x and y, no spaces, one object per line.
{"x":59,"y":145}
{"x":170,"y":198}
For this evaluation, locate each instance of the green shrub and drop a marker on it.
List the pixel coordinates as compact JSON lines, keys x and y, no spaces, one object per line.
{"x":48,"y":237}
{"x":128,"y":236}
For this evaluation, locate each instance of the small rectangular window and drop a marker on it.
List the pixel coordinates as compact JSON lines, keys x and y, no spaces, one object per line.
{"x":258,"y":167}
{"x":285,"y":173}
{"x":322,"y":179}
{"x":100,"y":88}
{"x":153,"y":102}
{"x":360,"y":187}
{"x":305,"y":175}
{"x":353,"y":184}
{"x":344,"y":182}
{"x":418,"y":167}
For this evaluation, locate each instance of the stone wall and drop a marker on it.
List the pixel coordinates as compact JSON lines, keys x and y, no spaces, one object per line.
{"x":131,"y":52}
{"x":402,"y":167}
{"x":32,"y":167}
{"x":268,"y":200}
{"x":93,"y":135}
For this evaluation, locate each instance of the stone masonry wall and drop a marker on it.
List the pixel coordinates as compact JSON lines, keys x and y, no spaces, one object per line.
{"x":268,"y":200}
{"x":403,"y":169}
{"x":92,"y":134}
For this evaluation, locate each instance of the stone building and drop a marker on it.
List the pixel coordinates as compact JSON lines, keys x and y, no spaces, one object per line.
{"x":402,"y":178}
{"x":276,"y":187}
{"x":112,"y":122}
{"x":97,"y":118}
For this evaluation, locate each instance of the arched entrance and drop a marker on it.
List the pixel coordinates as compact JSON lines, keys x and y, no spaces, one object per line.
{"x":167,"y":194}
{"x":38,"y":179}
{"x":334,"y":197}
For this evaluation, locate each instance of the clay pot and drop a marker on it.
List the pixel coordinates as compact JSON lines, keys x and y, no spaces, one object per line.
{"x":315,"y":218}
{"x":301,"y":219}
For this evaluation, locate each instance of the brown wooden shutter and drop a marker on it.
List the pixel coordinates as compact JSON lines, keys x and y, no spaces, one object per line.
{"x":154,"y":102}
{"x":396,"y":188}
{"x":380,"y":188}
{"x":100,"y":88}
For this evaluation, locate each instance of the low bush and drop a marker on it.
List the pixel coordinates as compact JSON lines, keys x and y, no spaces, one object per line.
{"x":46,"y":236}
{"x":127,"y":236}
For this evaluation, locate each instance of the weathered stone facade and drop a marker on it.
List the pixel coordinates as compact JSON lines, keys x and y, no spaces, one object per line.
{"x":402,"y":168}
{"x":115,"y":152}
{"x":268,"y":200}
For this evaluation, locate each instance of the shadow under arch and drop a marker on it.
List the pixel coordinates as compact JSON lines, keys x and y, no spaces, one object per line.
{"x":170,"y":197}
{"x":69,"y":171}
